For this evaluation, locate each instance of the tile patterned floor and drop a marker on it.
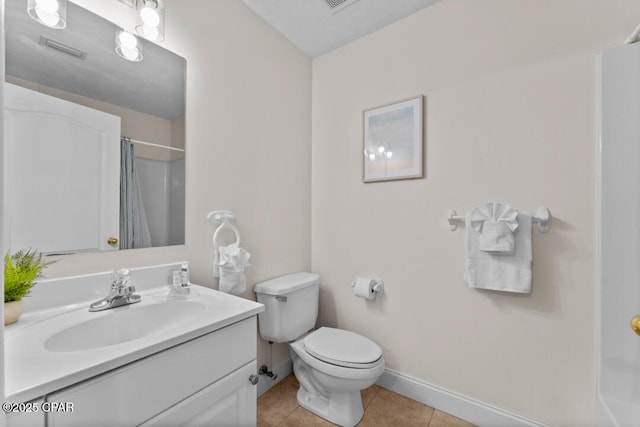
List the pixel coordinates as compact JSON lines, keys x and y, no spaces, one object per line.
{"x":382,"y":408}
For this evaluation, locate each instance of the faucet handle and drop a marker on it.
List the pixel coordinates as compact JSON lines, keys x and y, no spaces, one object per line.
{"x":121,"y":277}
{"x":122,"y":273}
{"x":126,"y":290}
{"x":120,"y":285}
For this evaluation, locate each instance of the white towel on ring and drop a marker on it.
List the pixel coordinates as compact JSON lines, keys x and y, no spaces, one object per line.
{"x":229,"y":264}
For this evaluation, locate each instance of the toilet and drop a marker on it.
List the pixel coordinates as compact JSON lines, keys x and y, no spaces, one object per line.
{"x":332,"y":365}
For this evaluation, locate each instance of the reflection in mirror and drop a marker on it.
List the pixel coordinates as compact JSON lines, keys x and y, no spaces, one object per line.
{"x":96,"y":143}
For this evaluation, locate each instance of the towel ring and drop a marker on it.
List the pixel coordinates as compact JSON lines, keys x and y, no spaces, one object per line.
{"x":223,"y":218}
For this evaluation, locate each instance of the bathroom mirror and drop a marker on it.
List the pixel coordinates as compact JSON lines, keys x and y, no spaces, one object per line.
{"x":79,"y":65}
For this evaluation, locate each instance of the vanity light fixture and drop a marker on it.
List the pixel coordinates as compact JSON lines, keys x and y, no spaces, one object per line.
{"x":128,"y":46}
{"x":52,"y":13}
{"x":150,"y":19}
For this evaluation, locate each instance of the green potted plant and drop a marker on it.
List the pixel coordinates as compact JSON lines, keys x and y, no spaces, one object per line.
{"x":20,"y":272}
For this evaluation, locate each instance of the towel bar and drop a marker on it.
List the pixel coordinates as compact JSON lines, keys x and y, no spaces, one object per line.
{"x":542,"y":218}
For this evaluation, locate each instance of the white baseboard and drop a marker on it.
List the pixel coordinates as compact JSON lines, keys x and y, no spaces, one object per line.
{"x":282,"y":370}
{"x":473,"y":411}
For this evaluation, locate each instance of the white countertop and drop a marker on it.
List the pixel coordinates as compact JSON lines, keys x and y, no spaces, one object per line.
{"x":33,"y":369}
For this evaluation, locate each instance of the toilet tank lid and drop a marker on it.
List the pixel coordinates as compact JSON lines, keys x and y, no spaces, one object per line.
{"x":285,"y":284}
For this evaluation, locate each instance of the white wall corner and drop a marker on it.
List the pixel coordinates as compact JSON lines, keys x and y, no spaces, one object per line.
{"x":473,"y":411}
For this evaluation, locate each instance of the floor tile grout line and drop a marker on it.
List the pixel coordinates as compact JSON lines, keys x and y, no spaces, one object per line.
{"x":431,"y":416}
{"x":288,"y":415}
{"x":374,"y":399}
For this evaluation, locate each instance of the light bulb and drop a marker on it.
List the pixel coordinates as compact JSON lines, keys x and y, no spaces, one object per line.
{"x":149,"y":16}
{"x":131,"y":53}
{"x":127,"y":46}
{"x":48,"y":17}
{"x":127,"y":40}
{"x":48,"y":5}
{"x":372,"y":157}
{"x":381,"y":149}
{"x":389,"y":154}
{"x":150,"y":33}
{"x":51,"y":13}
{"x":150,"y":19}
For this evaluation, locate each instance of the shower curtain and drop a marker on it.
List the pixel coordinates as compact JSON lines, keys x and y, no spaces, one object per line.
{"x":134,"y":229}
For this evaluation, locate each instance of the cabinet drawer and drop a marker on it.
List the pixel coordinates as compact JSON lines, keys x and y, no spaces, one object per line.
{"x":136,"y":392}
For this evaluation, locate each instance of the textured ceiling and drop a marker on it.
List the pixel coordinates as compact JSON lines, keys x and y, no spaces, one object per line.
{"x":316,"y":29}
{"x":155,"y":86}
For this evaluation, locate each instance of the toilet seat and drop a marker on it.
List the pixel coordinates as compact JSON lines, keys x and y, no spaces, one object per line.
{"x":342,"y":348}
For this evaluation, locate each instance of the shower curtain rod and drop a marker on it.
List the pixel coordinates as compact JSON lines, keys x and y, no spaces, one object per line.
{"x":150,"y":144}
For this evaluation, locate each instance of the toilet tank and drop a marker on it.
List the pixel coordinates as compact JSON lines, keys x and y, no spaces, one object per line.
{"x":291,"y":306}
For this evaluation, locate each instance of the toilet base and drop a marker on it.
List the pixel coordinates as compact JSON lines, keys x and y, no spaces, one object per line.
{"x":344,"y":409}
{"x":330,"y":391}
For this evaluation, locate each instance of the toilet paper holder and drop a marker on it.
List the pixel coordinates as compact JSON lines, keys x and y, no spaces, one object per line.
{"x":378,"y":287}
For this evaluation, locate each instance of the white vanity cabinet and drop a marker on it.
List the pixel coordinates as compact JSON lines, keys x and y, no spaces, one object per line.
{"x":161,"y":361}
{"x":203,"y":381}
{"x":27,"y":418}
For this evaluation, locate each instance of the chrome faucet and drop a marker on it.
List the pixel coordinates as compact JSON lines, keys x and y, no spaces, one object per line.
{"x":122,"y":293}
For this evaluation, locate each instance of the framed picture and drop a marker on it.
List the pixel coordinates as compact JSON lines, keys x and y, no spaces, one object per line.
{"x":393,"y":141}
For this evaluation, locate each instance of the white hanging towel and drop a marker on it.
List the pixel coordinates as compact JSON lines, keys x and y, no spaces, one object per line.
{"x":499,"y":272}
{"x":229,"y":264}
{"x":496,"y":223}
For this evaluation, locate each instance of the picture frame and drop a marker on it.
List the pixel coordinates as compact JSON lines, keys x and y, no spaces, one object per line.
{"x":393,"y":140}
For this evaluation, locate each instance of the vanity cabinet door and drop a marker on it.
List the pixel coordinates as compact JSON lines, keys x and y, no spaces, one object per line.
{"x":230,"y":401}
{"x":28,"y":419}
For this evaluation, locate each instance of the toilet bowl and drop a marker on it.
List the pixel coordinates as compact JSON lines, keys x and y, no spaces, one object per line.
{"x":331,"y":375}
{"x":332,"y":365}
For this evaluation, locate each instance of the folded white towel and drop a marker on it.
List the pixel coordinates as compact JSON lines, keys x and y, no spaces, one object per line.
{"x":496,"y":223}
{"x":504,"y":272}
{"x":497,"y":238}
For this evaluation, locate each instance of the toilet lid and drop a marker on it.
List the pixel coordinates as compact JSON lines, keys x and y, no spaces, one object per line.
{"x":342,"y":348}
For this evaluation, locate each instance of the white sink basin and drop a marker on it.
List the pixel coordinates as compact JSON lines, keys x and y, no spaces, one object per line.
{"x":51,"y":349}
{"x":122,"y":324}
